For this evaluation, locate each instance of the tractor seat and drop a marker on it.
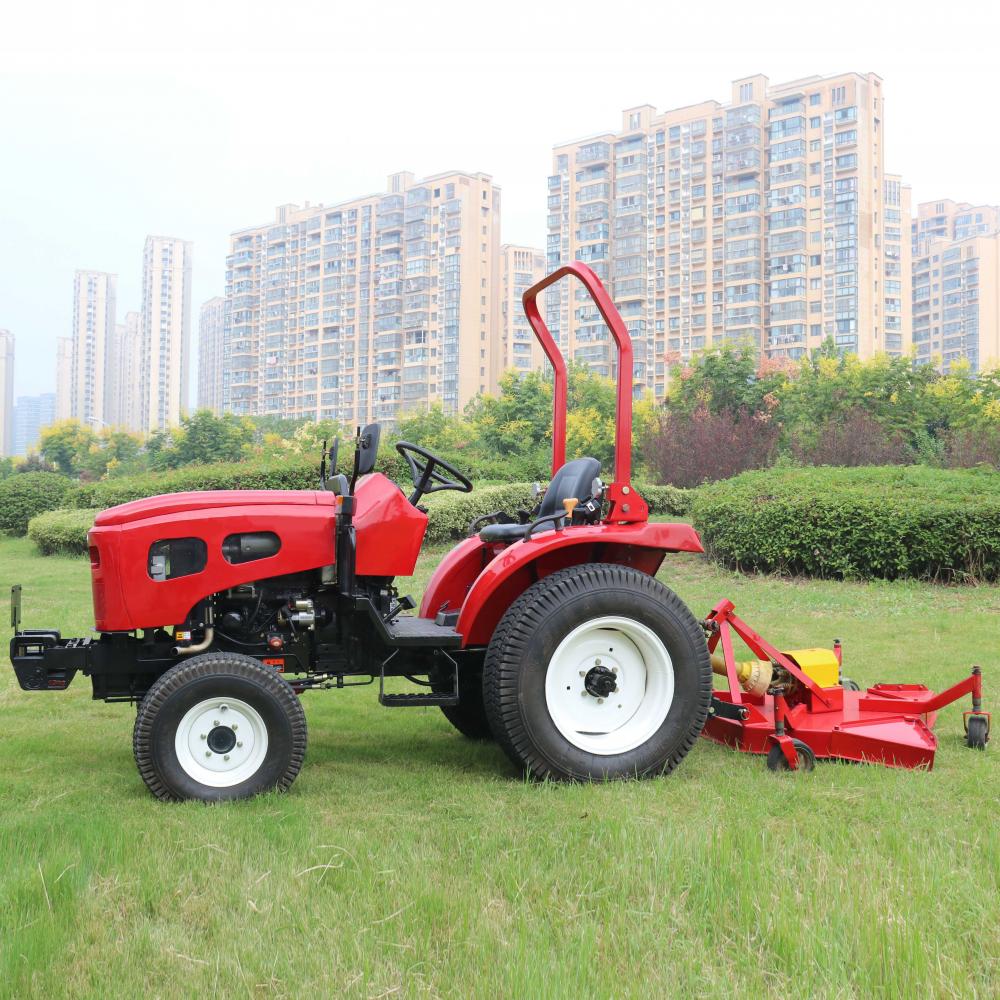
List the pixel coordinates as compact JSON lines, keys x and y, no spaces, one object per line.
{"x":574,"y":479}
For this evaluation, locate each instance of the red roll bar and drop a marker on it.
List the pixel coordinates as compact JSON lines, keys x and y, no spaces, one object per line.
{"x":626,"y":504}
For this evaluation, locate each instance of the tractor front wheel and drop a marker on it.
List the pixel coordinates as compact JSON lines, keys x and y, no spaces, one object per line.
{"x":597,"y":671}
{"x":219,"y":726}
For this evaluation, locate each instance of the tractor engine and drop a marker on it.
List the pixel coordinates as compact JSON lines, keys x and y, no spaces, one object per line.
{"x":275,"y":613}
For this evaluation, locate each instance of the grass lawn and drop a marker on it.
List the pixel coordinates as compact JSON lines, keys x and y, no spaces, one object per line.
{"x":406,"y":861}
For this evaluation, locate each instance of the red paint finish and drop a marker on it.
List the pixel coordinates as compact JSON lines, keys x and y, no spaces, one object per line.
{"x":455,"y":574}
{"x":389,"y":528}
{"x":126,"y":598}
{"x":611,"y":316}
{"x":519,"y":565}
{"x":889,"y":724}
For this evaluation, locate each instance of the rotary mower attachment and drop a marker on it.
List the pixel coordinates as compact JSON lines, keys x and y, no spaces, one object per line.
{"x":796,"y":707}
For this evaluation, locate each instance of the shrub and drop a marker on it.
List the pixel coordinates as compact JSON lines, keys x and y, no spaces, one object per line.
{"x":852,"y":438}
{"x":449,"y":514}
{"x":296,"y":473}
{"x":887,"y":522}
{"x":689,"y":449}
{"x":23,"y":496}
{"x":61,"y":531}
{"x":665,"y":500}
{"x":968,"y":448}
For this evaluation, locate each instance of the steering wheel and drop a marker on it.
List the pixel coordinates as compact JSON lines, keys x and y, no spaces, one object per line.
{"x":426,"y":478}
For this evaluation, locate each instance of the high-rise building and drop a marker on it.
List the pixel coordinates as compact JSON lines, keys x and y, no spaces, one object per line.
{"x":128,"y":367}
{"x":92,"y":370}
{"x":211,"y":321}
{"x":166,"y":331}
{"x":31,"y":414}
{"x":367,"y":309}
{"x":521,"y":268}
{"x":6,"y":393}
{"x":897,"y":266}
{"x":64,"y":378}
{"x":956,"y":301}
{"x":762,"y":219}
{"x":953,"y":220}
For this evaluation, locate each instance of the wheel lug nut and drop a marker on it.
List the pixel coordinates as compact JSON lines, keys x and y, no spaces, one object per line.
{"x":238,"y":744}
{"x":583,"y":673}
{"x":614,"y":670}
{"x":234,"y":727}
{"x":204,"y":736}
{"x":215,"y":722}
{"x":208,"y":753}
{"x":223,"y":708}
{"x":600,"y":701}
{"x":597,"y":662}
{"x":226,"y":757}
{"x":584,"y":693}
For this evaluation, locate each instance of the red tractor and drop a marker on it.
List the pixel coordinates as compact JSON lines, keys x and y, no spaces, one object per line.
{"x":547,"y":630}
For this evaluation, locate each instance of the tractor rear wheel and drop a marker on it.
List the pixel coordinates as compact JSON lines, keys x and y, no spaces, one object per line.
{"x":597,"y":671}
{"x":219,"y":726}
{"x":469,"y":715}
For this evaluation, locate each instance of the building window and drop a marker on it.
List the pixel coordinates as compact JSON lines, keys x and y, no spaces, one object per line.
{"x":839,"y":95}
{"x":746,"y":92}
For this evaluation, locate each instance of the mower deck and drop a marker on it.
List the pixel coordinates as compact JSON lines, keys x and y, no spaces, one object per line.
{"x":890,"y":724}
{"x":857,"y":731}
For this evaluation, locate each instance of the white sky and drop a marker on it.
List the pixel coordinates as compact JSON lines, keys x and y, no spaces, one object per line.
{"x":193,"y":118}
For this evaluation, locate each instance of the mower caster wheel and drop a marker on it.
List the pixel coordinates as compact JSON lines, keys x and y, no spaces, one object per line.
{"x":776,"y":760}
{"x":848,"y":685}
{"x":978,"y":734}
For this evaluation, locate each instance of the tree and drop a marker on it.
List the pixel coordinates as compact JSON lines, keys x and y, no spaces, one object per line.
{"x":203,"y":437}
{"x":65,"y":444}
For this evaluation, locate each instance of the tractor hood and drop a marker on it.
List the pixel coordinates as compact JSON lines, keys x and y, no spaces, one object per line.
{"x":178,"y":503}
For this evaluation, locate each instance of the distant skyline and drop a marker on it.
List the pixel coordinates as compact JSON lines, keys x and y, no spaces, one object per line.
{"x":119,"y":121}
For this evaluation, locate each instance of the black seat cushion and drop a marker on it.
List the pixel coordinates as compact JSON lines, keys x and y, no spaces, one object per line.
{"x":574,"y":479}
{"x":503,"y":532}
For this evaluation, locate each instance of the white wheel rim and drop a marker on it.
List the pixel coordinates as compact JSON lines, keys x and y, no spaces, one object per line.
{"x":644,"y":681}
{"x":221,"y":742}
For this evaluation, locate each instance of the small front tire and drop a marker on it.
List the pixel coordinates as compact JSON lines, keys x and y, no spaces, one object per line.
{"x":978,"y":734}
{"x":804,"y":757}
{"x":216,"y":727}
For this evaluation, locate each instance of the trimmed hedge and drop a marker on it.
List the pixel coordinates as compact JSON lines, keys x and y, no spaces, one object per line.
{"x":62,"y":531}
{"x":450,"y":514}
{"x":884,"y":522}
{"x":295,"y":474}
{"x":29,"y":493}
{"x":665,"y":500}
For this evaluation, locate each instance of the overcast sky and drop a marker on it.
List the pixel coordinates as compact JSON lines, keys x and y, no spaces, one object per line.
{"x":193,"y":118}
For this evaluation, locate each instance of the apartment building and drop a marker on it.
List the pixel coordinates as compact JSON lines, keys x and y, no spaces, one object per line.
{"x":31,"y":414}
{"x":6,"y":393}
{"x":64,"y":378}
{"x":128,"y":357}
{"x":367,"y":309}
{"x":211,"y":319}
{"x":91,"y":369}
{"x":956,"y":302}
{"x":521,"y":267}
{"x":763,"y":219}
{"x":165,"y":323}
{"x":952,"y":220}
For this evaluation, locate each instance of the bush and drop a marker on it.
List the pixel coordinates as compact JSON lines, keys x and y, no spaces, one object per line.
{"x":61,"y":531}
{"x":23,"y":496}
{"x":294,"y":474}
{"x":883,"y":522}
{"x":665,"y":500}
{"x":852,"y":438}
{"x":450,"y":514}
{"x":689,"y":449}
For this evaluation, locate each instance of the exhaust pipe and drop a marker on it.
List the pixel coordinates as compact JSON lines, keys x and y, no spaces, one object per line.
{"x":200,"y":647}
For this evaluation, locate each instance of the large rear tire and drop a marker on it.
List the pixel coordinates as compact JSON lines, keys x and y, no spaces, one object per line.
{"x":597,"y":671}
{"x":469,"y":715}
{"x":219,"y":726}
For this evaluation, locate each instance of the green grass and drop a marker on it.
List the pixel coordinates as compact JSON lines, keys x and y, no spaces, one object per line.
{"x":406,"y":861}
